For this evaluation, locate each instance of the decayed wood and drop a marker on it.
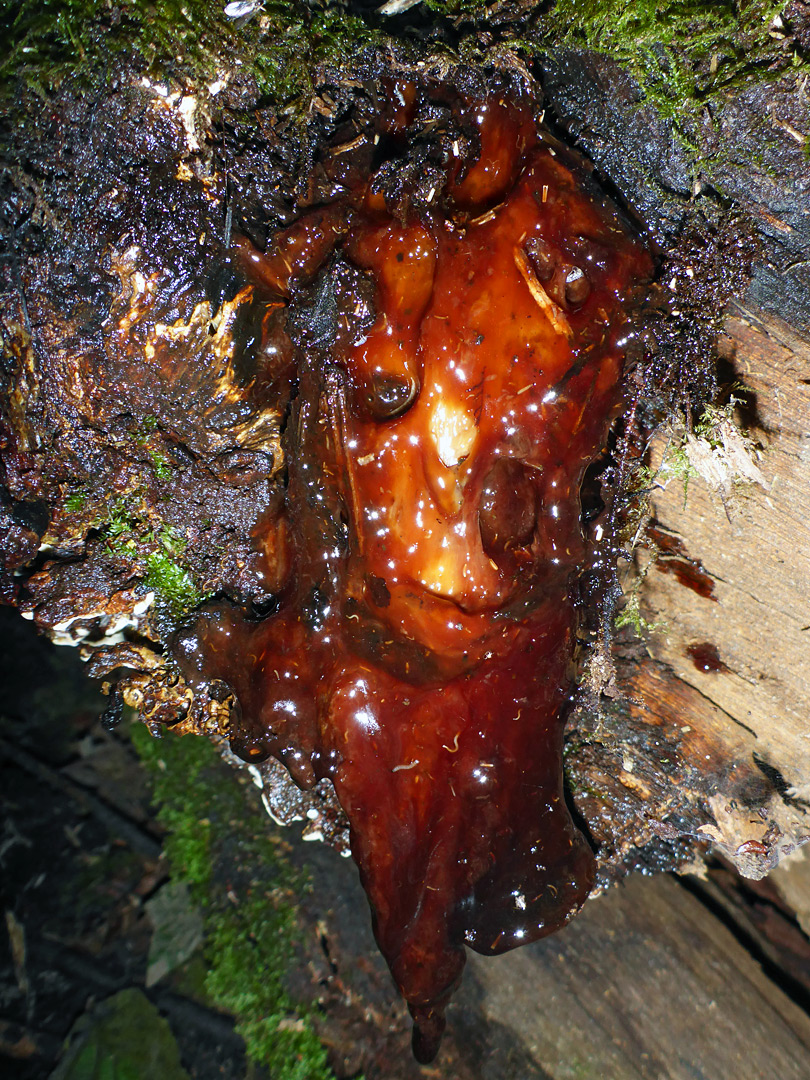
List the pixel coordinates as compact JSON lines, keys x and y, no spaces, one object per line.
{"x":755,"y":550}
{"x":758,"y":555}
{"x":645,"y":984}
{"x":791,"y":879}
{"x":706,"y":743}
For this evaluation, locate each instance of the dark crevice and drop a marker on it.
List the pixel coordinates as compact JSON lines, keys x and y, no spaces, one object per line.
{"x":792,"y":987}
{"x":780,"y":785}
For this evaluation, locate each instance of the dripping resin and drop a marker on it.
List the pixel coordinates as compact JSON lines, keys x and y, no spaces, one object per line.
{"x":452,"y":359}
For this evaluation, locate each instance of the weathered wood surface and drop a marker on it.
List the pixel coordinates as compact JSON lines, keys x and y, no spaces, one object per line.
{"x":645,"y":984}
{"x":758,"y":556}
{"x":712,"y":746}
{"x":756,"y":551}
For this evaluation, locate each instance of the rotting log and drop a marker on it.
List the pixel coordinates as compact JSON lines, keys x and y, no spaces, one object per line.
{"x":709,"y":736}
{"x":645,"y":983}
{"x":756,"y":550}
{"x":136,"y":190}
{"x":745,"y":649}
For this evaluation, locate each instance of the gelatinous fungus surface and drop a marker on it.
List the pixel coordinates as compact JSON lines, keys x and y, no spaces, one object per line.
{"x":705,"y":657}
{"x":675,"y":560}
{"x":453,"y":365}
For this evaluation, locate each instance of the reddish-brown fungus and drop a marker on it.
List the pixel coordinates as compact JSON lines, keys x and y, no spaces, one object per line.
{"x":421,"y":654}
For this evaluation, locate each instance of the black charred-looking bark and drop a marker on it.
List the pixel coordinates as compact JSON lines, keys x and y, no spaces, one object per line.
{"x":146,"y":422}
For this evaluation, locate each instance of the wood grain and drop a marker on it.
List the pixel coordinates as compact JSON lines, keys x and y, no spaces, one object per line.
{"x":646,"y":984}
{"x":755,"y":549}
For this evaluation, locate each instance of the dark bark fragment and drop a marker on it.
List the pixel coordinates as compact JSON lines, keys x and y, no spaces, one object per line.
{"x":123,"y":479}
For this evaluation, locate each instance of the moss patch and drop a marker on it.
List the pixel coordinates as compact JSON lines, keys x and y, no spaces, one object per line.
{"x":457,"y":8}
{"x":681,"y":52}
{"x":130,"y":533}
{"x":248,"y":909}
{"x":171,"y":582}
{"x":76,"y":502}
{"x":50,"y":39}
{"x":295,"y":39}
{"x":281,"y":42}
{"x":124,"y":1038}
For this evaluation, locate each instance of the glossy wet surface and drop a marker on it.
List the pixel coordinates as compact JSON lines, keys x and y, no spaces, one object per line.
{"x":452,"y":370}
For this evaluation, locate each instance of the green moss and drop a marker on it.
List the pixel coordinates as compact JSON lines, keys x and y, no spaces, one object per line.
{"x":189,"y":979}
{"x":251,"y":951}
{"x":293,"y":38}
{"x":177,"y":774}
{"x":50,"y":39}
{"x":174,"y":584}
{"x":149,"y":424}
{"x":161,"y":466}
{"x":630,"y":615}
{"x":681,"y":52}
{"x":248,"y":910}
{"x":121,"y":523}
{"x":456,"y":8}
{"x":131,"y":533}
{"x":675,"y":465}
{"x":76,"y":501}
{"x":170,"y":580}
{"x":281,"y":43}
{"x":713,"y":418}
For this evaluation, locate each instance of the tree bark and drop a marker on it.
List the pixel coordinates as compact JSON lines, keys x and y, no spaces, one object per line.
{"x":708,"y":736}
{"x":694,"y":751}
